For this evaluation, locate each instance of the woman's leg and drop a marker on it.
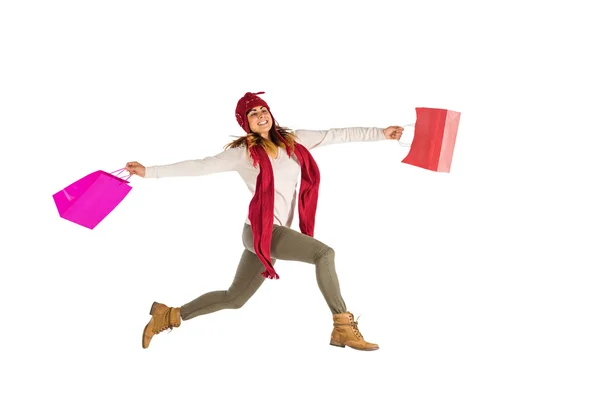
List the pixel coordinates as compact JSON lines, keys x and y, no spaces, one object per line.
{"x":288,"y":244}
{"x":246,"y":282}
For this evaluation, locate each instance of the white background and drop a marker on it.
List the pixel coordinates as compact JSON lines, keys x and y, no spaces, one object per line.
{"x":477,"y":284}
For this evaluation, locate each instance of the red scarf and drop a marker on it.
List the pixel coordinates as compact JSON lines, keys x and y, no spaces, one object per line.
{"x":261,"y":210}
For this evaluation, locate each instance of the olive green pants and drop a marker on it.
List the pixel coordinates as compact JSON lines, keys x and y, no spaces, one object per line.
{"x":286,"y":244}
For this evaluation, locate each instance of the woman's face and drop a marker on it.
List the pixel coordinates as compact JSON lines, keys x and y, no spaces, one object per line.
{"x":259,"y":120}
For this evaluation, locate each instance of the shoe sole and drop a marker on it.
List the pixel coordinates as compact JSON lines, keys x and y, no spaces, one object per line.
{"x":144,"y":331}
{"x":337,"y":344}
{"x":144,"y":336}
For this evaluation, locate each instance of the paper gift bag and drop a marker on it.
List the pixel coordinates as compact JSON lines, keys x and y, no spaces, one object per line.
{"x":433,"y":144}
{"x":89,"y":200}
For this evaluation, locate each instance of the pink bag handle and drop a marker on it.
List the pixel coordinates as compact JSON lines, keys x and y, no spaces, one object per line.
{"x":119,"y":173}
{"x":406,"y":144}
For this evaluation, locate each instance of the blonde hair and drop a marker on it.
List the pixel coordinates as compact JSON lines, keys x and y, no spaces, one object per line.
{"x":270,"y":145}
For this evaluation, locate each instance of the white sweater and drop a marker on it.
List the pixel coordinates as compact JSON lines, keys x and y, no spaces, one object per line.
{"x":286,"y":170}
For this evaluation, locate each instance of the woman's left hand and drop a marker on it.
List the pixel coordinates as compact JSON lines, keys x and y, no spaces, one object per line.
{"x":393,"y":132}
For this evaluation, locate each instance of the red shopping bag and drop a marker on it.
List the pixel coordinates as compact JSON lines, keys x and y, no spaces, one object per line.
{"x":435,"y":135}
{"x":89,"y":200}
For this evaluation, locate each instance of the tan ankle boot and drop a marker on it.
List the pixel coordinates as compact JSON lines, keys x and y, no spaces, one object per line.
{"x":163,"y":317}
{"x":346,"y":333}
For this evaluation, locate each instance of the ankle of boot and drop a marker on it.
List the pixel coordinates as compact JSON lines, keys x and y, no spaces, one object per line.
{"x":175,"y":316}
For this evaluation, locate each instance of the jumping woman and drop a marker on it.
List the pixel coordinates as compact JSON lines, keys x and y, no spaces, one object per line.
{"x":269,"y":159}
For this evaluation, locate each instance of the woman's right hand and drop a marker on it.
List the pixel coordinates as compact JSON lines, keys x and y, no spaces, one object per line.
{"x":135,"y":168}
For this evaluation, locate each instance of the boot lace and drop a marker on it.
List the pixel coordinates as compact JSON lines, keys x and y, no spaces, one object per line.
{"x":165,"y":323}
{"x":354,"y":325}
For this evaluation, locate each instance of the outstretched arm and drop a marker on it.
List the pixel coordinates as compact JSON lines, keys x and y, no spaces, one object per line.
{"x":318,"y":138}
{"x":227,"y":160}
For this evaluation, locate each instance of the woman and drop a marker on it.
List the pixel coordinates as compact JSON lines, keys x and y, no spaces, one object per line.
{"x":269,"y":159}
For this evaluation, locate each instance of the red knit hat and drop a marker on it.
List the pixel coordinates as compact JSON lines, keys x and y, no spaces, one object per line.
{"x":247,"y":103}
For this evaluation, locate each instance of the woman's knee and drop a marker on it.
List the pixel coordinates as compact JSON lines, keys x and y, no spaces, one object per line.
{"x":236,"y":301}
{"x":241,"y":291}
{"x":325,"y":253}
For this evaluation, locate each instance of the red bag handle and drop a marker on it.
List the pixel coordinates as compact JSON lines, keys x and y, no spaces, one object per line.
{"x":406,"y":144}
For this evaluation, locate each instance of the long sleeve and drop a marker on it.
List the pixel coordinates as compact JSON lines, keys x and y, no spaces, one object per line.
{"x":316,"y":138}
{"x":227,"y":160}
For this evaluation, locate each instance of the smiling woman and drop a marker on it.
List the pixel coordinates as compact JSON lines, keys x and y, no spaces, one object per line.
{"x":272,"y":177}
{"x":263,"y":131}
{"x":260,"y":121}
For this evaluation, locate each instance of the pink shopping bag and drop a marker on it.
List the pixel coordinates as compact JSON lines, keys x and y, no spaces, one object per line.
{"x":89,"y":200}
{"x":432,"y":147}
